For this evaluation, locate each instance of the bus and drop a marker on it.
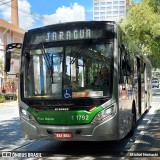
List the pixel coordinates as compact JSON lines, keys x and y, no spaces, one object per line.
{"x":80,"y":81}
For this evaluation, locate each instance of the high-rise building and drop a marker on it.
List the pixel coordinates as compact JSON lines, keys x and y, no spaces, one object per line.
{"x":109,"y":9}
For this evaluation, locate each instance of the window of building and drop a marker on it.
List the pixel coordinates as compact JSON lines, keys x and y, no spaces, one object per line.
{"x":121,"y":7}
{"x":115,"y":12}
{"x":102,"y":13}
{"x":109,"y":7}
{"x":115,"y":7}
{"x":115,"y":2}
{"x":102,"y":8}
{"x":96,"y":13}
{"x":122,"y":12}
{"x":102,"y":17}
{"x":96,"y":8}
{"x":109,"y":12}
{"x":96,"y":4}
{"x":121,"y":2}
{"x":102,"y":3}
{"x":109,"y":3}
{"x":96,"y":18}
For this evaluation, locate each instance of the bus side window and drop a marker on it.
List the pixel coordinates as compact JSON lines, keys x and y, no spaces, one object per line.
{"x":125,"y":67}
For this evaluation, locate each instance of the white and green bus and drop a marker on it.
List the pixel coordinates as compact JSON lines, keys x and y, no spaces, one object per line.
{"x":62,"y":92}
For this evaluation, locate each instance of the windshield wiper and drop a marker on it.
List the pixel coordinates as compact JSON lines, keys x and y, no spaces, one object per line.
{"x":47,"y":60}
{"x":79,"y":53}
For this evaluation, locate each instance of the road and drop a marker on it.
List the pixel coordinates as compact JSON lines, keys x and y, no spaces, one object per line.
{"x":11,"y":138}
{"x":10,"y":131}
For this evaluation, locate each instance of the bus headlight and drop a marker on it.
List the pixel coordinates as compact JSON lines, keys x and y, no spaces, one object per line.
{"x":104,"y":114}
{"x":27,"y":116}
{"x":23,"y":112}
{"x":108,"y":111}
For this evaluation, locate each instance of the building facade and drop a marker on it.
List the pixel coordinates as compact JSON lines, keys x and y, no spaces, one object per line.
{"x":10,"y":33}
{"x":113,"y":10}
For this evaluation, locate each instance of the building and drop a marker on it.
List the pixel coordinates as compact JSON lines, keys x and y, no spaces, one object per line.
{"x":10,"y":33}
{"x":110,"y":9}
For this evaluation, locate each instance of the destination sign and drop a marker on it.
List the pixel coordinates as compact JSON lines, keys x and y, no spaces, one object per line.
{"x":69,"y":35}
{"x":66,"y":35}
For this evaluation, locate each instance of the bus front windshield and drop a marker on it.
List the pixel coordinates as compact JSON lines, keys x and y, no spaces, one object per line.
{"x":68,"y":71}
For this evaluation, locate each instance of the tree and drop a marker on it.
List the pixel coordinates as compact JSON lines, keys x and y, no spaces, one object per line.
{"x":142,"y":24}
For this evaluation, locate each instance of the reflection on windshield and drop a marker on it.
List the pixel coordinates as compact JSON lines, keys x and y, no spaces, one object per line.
{"x":68,"y":72}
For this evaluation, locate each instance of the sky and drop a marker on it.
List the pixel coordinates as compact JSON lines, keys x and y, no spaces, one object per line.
{"x":37,"y":13}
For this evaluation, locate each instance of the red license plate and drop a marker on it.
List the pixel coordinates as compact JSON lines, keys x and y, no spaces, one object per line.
{"x":64,"y":135}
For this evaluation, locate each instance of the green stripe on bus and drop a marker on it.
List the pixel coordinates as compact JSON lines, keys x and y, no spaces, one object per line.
{"x":64,"y":117}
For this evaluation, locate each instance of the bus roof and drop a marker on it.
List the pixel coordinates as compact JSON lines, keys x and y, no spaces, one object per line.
{"x":69,"y":25}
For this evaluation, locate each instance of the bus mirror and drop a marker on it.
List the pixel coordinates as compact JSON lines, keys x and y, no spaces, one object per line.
{"x":7,"y":61}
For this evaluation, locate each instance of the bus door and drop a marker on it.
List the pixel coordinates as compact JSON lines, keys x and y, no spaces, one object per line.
{"x":141,"y":85}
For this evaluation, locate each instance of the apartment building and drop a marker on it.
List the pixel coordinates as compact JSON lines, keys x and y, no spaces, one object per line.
{"x":110,"y":9}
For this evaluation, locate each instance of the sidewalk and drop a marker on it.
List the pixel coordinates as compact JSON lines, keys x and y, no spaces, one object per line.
{"x":149,"y":139}
{"x":154,"y":130}
{"x":11,"y":135}
{"x":9,"y":103}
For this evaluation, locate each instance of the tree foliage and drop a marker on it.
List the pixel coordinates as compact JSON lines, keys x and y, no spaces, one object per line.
{"x":142,"y":24}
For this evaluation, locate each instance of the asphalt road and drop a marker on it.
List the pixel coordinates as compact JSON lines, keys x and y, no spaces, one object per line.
{"x":11,"y":135}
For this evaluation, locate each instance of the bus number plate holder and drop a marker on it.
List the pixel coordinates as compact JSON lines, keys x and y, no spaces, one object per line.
{"x":64,"y":135}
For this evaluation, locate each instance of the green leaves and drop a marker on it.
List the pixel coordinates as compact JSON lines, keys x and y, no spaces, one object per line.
{"x":142,"y":24}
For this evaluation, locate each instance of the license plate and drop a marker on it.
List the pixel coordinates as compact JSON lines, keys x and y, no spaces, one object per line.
{"x":64,"y":135}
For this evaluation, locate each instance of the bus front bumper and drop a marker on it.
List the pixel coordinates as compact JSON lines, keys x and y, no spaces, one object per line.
{"x":107,"y":130}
